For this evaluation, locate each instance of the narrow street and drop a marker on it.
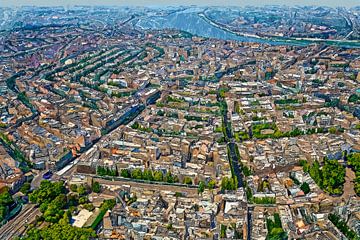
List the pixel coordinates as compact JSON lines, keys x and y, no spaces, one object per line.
{"x":230,"y":141}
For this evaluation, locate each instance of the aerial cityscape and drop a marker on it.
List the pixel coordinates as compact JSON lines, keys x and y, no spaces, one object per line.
{"x":180,"y":122}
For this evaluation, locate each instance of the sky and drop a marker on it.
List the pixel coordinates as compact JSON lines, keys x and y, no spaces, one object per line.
{"x":331,"y":3}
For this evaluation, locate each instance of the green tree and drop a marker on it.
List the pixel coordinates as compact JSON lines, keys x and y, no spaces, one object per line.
{"x":333,"y":174}
{"x":108,"y":204}
{"x":6,"y":201}
{"x":73,"y":200}
{"x":53,"y":213}
{"x":73,"y":187}
{"x":275,"y":231}
{"x":43,"y":207}
{"x":82,"y":190}
{"x":224,"y":183}
{"x":106,"y":171}
{"x":211,"y":184}
{"x":125,"y":173}
{"x":187,"y":180}
{"x":201,"y":187}
{"x":249,"y":194}
{"x":6,"y":198}
{"x":148,"y":175}
{"x":169,"y":177}
{"x":264,"y":200}
{"x":136,"y":173}
{"x":223,"y":229}
{"x":83,"y":200}
{"x":56,"y":232}
{"x":332,"y":130}
{"x":357,"y":185}
{"x":25,"y":188}
{"x":89,"y":206}
{"x":228,"y":183}
{"x":101,"y":171}
{"x":342,"y":226}
{"x":158,"y":176}
{"x":315,"y":172}
{"x":95,"y":187}
{"x":4,"y":210}
{"x":353,"y":98}
{"x":354,"y":162}
{"x":305,"y":165}
{"x":246,"y":170}
{"x":47,"y":192}
{"x":305,"y":187}
{"x":59,"y":201}
{"x":330,"y":178}
{"x":178,"y":194}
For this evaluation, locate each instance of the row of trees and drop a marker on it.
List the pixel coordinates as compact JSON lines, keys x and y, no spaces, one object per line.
{"x":241,"y":136}
{"x":175,"y":99}
{"x":85,"y":189}
{"x":170,"y":114}
{"x":354,"y":162}
{"x":229,"y":183}
{"x":73,"y":66}
{"x":150,"y":175}
{"x":196,"y":118}
{"x":26,"y":101}
{"x":106,"y":205}
{"x":264,"y":200}
{"x":139,"y":127}
{"x":246,"y":171}
{"x":210,"y":185}
{"x":256,"y":129}
{"x":96,"y":80}
{"x":286,"y":101}
{"x":102,"y":62}
{"x":106,"y":171}
{"x":91,"y":60}
{"x":330,"y":177}
{"x":15,"y":152}
{"x":341,"y":225}
{"x":159,"y":132}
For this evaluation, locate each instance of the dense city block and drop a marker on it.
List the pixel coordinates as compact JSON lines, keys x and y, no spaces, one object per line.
{"x":124,"y":123}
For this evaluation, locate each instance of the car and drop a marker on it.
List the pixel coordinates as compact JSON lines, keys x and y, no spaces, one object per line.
{"x":47,"y":175}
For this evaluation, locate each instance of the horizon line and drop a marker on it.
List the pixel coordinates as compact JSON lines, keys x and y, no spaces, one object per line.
{"x":173,"y":5}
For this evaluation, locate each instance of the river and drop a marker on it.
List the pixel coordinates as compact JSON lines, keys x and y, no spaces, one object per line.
{"x":192,"y":20}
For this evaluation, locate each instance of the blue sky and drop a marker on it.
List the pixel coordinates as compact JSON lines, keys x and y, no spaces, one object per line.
{"x":332,"y":3}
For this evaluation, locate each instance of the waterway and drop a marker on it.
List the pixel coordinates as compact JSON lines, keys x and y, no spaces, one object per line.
{"x":193,"y":21}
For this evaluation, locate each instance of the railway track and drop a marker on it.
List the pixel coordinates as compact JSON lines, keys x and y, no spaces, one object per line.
{"x":16,"y":226}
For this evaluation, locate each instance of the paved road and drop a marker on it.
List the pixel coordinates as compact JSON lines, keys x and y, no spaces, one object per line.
{"x":173,"y":188}
{"x":234,"y":161}
{"x":35,"y":183}
{"x":250,"y":210}
{"x":235,"y":164}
